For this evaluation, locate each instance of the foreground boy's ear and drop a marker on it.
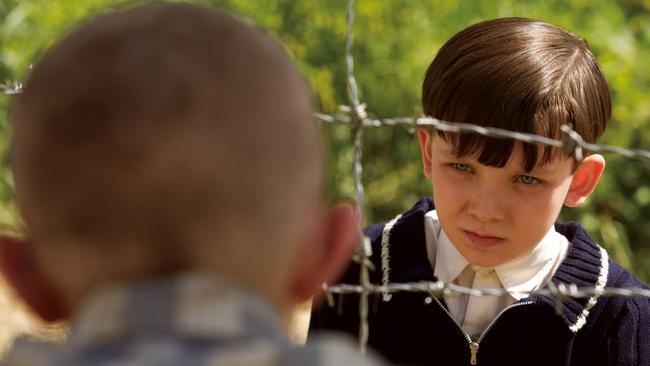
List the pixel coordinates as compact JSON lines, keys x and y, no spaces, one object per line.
{"x":19,"y":268}
{"x":424,"y":136}
{"x":584,"y":180}
{"x":324,"y":259}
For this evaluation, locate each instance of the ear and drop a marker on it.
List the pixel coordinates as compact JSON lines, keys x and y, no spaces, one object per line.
{"x":584,"y":180}
{"x":328,"y":252}
{"x":19,"y":268}
{"x":424,"y":136}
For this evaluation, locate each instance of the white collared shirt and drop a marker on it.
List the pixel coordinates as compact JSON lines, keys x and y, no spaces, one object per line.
{"x":518,"y":276}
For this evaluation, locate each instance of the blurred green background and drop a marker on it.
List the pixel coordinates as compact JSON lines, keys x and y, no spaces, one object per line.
{"x":394,"y":43}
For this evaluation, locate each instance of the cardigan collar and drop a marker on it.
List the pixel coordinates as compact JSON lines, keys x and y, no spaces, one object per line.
{"x":586,"y":264}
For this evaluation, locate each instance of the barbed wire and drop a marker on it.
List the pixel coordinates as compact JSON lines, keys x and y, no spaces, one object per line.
{"x":439,"y":288}
{"x":11,"y":87}
{"x":356,"y":116}
{"x":571,"y":143}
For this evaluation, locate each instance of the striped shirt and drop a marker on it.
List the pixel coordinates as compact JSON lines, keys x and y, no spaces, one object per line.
{"x":192,"y":319}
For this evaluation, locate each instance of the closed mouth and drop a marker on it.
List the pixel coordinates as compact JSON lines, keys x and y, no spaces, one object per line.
{"x":482,"y":240}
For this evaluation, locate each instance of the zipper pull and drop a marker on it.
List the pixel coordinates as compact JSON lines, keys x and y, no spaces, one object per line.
{"x":473,"y":349}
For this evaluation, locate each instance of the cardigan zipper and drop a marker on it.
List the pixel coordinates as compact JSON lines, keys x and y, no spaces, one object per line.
{"x":474,"y":344}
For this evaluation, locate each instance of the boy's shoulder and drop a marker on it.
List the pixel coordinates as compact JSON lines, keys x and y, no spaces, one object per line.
{"x":584,"y":248}
{"x":620,"y":322}
{"x":606,"y":316}
{"x":631,"y":311}
{"x":404,"y":236}
{"x":409,"y":220}
{"x":399,"y":251}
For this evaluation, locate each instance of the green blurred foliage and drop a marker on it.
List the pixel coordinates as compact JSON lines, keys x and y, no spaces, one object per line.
{"x":394,"y":43}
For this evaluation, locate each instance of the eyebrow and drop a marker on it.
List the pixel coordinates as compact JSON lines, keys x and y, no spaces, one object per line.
{"x":543,"y":170}
{"x":537,"y":170}
{"x":448,"y":153}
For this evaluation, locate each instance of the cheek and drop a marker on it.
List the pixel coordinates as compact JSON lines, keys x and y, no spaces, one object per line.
{"x":544,"y":206}
{"x":548,"y":201}
{"x":449,"y":194}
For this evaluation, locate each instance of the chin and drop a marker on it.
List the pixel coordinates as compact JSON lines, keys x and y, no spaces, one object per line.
{"x":484,"y":260}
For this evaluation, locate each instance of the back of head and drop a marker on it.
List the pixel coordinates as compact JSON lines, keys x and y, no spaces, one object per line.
{"x":518,"y":74}
{"x":171,"y":133}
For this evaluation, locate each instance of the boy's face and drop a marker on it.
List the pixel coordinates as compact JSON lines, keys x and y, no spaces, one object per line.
{"x":493,"y":215}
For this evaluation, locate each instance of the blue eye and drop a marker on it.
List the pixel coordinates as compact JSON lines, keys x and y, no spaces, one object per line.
{"x":527,"y":179}
{"x":461,"y":167}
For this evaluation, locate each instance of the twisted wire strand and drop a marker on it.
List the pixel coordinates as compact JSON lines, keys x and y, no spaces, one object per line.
{"x":572,"y":141}
{"x":358,"y":115}
{"x":438,"y":288}
{"x":11,"y":88}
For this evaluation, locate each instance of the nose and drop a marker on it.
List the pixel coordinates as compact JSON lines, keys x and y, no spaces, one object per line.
{"x":485,"y":205}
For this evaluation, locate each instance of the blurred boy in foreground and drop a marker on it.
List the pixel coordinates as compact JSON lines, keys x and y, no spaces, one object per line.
{"x":169,"y":173}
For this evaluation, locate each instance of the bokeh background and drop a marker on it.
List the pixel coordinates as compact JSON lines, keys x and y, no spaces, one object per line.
{"x":394,"y":43}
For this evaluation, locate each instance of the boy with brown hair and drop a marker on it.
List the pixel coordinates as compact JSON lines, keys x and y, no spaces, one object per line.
{"x":491,"y":223}
{"x":169,"y":173}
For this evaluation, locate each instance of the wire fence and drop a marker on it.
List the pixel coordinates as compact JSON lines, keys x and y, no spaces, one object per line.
{"x":356,"y":116}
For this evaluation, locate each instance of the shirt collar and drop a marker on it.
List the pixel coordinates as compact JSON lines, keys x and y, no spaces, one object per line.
{"x":449,"y":262}
{"x":529,"y":272}
{"x":521,"y":275}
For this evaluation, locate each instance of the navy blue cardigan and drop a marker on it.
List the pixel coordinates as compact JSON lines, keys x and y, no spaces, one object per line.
{"x":406,"y":330}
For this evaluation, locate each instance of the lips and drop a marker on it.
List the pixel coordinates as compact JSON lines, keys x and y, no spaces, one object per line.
{"x":483,"y":240}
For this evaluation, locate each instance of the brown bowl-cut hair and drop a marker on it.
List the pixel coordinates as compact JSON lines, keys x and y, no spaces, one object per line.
{"x":521,"y":75}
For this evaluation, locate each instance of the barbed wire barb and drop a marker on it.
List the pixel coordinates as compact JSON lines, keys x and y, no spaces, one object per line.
{"x":11,"y":88}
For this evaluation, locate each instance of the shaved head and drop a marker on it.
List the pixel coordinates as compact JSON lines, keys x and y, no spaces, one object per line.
{"x":176,"y":127}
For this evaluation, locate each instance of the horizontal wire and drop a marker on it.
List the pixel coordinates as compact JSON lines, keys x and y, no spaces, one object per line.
{"x":438,"y":288}
{"x":11,"y":88}
{"x":572,"y":141}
